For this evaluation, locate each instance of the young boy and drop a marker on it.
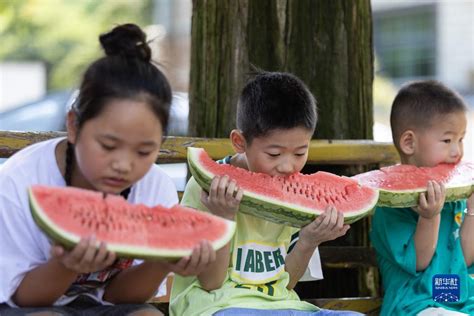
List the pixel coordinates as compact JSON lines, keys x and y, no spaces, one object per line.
{"x":276,"y":118}
{"x":424,"y":252}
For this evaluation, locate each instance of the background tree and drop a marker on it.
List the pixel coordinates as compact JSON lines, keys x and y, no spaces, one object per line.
{"x":327,"y":43}
{"x":61,"y":33}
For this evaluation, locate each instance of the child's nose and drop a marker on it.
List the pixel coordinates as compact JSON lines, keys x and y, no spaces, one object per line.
{"x":456,"y":150}
{"x":285,"y":168}
{"x":122,"y":165}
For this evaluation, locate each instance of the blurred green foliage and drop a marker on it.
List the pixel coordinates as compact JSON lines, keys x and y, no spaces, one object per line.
{"x":63,"y":33}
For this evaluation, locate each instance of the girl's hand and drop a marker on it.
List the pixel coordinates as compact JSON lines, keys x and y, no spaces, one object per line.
{"x":431,"y":203}
{"x":327,"y":226}
{"x":85,"y":257}
{"x":224,"y":197}
{"x":202,"y":256}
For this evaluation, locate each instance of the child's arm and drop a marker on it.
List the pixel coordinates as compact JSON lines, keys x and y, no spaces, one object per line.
{"x":328,"y":226}
{"x":467,"y":232}
{"x":223,"y":200}
{"x":43,"y":285}
{"x":427,"y":229}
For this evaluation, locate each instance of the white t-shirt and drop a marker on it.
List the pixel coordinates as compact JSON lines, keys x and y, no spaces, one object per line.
{"x":23,"y":246}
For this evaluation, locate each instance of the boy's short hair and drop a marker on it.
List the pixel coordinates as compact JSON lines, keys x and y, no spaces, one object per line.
{"x":418,"y":103}
{"x":275,"y":100}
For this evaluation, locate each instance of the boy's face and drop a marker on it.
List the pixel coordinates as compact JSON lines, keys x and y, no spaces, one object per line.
{"x":282,"y":152}
{"x":442,"y":142}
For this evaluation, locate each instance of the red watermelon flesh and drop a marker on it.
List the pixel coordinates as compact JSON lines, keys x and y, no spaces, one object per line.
{"x":298,"y":193}
{"x":400,"y":185}
{"x":131,"y":230}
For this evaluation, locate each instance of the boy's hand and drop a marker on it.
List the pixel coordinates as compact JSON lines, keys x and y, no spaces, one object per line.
{"x":202,"y":256}
{"x":327,"y":226}
{"x":431,"y":203}
{"x":85,"y":257}
{"x":224,"y":197}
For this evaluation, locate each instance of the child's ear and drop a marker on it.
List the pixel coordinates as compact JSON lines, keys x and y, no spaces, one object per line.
{"x":71,"y":127}
{"x":407,"y":142}
{"x":238,"y":141}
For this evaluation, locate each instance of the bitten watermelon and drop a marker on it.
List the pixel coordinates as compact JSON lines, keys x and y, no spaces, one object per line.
{"x":295,"y":200}
{"x":401,"y":185}
{"x":130,"y":230}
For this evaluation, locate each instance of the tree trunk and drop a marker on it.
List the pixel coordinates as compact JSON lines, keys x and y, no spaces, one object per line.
{"x":326,"y":43}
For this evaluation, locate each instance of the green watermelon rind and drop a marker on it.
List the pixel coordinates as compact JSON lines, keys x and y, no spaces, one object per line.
{"x":69,"y":240}
{"x":410,"y":198}
{"x":267,"y":208}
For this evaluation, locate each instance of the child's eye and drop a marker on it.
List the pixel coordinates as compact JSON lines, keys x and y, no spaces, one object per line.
{"x":447,"y":141}
{"x":273,"y":155}
{"x":144,"y":153}
{"x":107,"y":147}
{"x":300,"y":155}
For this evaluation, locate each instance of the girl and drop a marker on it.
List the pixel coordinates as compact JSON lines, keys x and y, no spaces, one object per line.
{"x":114,"y":134}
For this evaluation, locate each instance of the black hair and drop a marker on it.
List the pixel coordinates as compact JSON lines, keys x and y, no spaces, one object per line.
{"x":418,"y":103}
{"x":125,"y":72}
{"x":274,"y":100}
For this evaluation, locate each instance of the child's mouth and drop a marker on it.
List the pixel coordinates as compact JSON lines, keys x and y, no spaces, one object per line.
{"x":115,"y":182}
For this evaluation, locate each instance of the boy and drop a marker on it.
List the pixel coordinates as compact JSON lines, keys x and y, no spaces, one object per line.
{"x":276,"y":118}
{"x":426,"y":247}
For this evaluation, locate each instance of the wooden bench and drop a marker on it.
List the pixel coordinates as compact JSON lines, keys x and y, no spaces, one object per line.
{"x":321,"y":152}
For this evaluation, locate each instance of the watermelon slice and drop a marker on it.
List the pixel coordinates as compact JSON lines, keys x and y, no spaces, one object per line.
{"x":401,"y":185}
{"x":295,"y":200}
{"x":130,"y":230}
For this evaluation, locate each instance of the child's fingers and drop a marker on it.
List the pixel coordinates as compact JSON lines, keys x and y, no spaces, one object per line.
{"x":340,"y":220}
{"x":333,"y":218}
{"x":214,"y":187}
{"x":56,"y":251}
{"x":205,"y":257}
{"x":422,"y":203}
{"x":110,"y":258}
{"x":443,"y":191}
{"x":229,"y":194}
{"x":345,"y":228}
{"x":317,"y":222}
{"x":327,"y":218}
{"x":79,"y":250}
{"x":90,"y":253}
{"x":194,"y":260}
{"x":101,"y":253}
{"x":222,"y":187}
{"x":436,"y":191}
{"x":204,"y":197}
{"x":239,"y":195}
{"x":212,"y":252}
{"x":430,"y":193}
{"x":180,"y":265}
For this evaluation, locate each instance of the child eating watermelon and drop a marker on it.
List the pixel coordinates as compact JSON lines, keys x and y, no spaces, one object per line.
{"x":424,"y":252}
{"x":115,"y":131}
{"x":256,"y":272}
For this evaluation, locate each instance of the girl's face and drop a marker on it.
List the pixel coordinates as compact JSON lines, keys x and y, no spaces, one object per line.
{"x":116,"y":148}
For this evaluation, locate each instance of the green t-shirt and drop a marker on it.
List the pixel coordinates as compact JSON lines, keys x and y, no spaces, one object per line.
{"x":407,"y":292}
{"x":256,"y":277}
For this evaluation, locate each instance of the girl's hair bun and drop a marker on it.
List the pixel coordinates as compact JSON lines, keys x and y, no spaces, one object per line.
{"x":127,"y":40}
